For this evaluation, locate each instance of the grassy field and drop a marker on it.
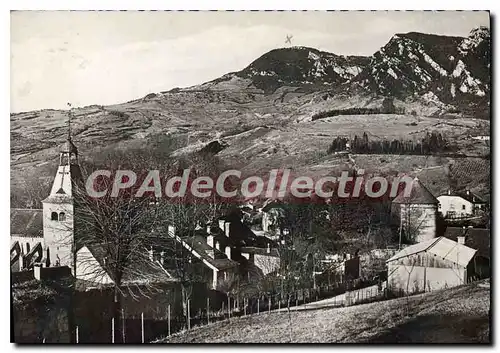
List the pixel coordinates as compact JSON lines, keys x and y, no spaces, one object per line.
{"x":457,"y":315}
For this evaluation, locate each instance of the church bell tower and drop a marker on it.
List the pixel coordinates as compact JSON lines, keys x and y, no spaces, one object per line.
{"x":58,"y":208}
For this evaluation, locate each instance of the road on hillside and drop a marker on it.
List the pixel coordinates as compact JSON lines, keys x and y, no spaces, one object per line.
{"x":339,"y":300}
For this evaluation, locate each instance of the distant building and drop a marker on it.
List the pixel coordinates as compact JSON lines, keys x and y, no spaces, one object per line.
{"x":417,"y":213}
{"x":432,"y":264}
{"x":460,"y":205}
{"x":481,"y":138}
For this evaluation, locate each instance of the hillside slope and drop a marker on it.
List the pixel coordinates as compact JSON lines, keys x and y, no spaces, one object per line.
{"x":457,"y":315}
{"x":263,"y":113}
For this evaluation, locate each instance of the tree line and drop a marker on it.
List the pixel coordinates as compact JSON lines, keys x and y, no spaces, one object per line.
{"x":431,"y":143}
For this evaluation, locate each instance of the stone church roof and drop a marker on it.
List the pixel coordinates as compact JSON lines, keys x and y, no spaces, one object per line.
{"x":26,"y":222}
{"x":419,"y":195}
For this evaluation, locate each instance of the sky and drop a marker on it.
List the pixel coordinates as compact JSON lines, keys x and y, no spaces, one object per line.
{"x":108,"y":57}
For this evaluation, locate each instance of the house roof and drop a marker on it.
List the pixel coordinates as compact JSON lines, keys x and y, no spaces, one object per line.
{"x":199,"y":244}
{"x":443,"y":247}
{"x":260,"y":251}
{"x":476,"y":238}
{"x":419,"y":194}
{"x":467,"y":195}
{"x":26,"y":222}
{"x":140,"y":270}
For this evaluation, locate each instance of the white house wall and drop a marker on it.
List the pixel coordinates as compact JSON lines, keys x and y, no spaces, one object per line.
{"x":413,"y":279}
{"x":460,"y":206}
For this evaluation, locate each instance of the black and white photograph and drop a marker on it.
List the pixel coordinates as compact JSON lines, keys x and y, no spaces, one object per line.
{"x":182,"y":177}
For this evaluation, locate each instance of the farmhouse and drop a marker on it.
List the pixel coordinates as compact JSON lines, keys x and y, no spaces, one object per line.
{"x":459,"y":205}
{"x":432,"y":264}
{"x":417,"y":213}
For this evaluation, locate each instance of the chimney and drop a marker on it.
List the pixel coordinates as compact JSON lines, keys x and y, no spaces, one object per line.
{"x":221,"y":224}
{"x":468,"y":192}
{"x":150,"y":253}
{"x":226,"y":229}
{"x":449,"y":191}
{"x":461,"y":239}
{"x":210,"y":240}
{"x":268,"y":248}
{"x":171,"y":231}
{"x":228,"y":252}
{"x":162,"y":257}
{"x":208,"y":229}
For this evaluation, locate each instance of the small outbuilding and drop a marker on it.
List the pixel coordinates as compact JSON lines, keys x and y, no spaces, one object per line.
{"x":430,"y":265}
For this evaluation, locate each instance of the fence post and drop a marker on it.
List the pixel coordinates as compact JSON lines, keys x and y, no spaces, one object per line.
{"x":228,"y":307}
{"x":223,"y":308}
{"x":142,"y":327}
{"x":244,"y":306}
{"x":279,"y":303}
{"x":269,"y":306}
{"x":208,"y":310}
{"x":76,"y":334}
{"x":189,"y":315}
{"x":168,"y":319}
{"x":112,"y":330}
{"x":258,"y":305}
{"x":297,"y":298}
{"x":123,"y":325}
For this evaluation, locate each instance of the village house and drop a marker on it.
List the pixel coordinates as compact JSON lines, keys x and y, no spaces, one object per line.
{"x":475,"y":238}
{"x":460,"y":205}
{"x":211,"y":252}
{"x":417,"y":213}
{"x":263,"y":261}
{"x":433,"y":264}
{"x":228,"y":249}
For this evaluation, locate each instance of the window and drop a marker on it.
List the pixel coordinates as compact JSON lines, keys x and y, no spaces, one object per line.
{"x":27,"y":248}
{"x":463,"y":207}
{"x":54,"y":216}
{"x":62,"y":216}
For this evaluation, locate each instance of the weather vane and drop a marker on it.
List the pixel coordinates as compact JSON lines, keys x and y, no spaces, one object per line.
{"x":69,"y":121}
{"x":289,"y":39}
